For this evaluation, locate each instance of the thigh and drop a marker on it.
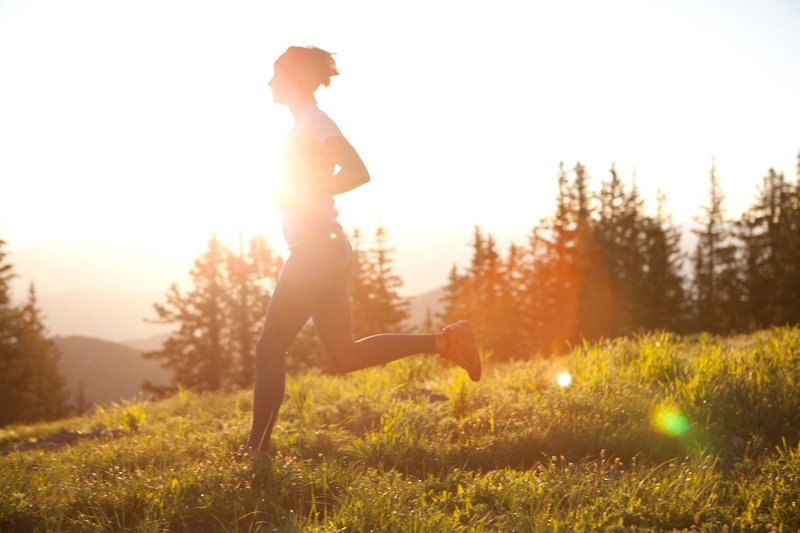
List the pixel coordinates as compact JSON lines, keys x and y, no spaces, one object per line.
{"x":333,"y":322}
{"x":308,"y":277}
{"x":290,"y":307}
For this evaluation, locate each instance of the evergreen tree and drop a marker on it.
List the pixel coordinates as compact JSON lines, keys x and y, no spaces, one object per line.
{"x":550,"y":277}
{"x":492,"y":295}
{"x":791,"y":229}
{"x":595,"y":296}
{"x":619,"y":230}
{"x":6,"y":275}
{"x":249,"y":297}
{"x":377,"y":306}
{"x":451,"y":308}
{"x":44,"y":396}
{"x":662,"y":294}
{"x":32,"y":388}
{"x":219,"y":318}
{"x":770,"y":235}
{"x":508,"y":323}
{"x":361,"y":296}
{"x":306,"y":351}
{"x":474,"y":295}
{"x":540,"y":300}
{"x":759,"y":232}
{"x":390,"y":309}
{"x":560,"y":267}
{"x":6,"y":310}
{"x":717,"y":284}
{"x":11,"y":365}
{"x":483,"y":289}
{"x":196,"y":352}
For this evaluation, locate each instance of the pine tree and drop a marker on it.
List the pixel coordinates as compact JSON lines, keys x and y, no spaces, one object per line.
{"x":717,"y":283}
{"x":493,"y":296}
{"x":218,"y":319}
{"x":619,"y":231}
{"x":508,"y":319}
{"x":46,"y":395}
{"x":759,"y":232}
{"x":32,"y":386}
{"x":599,"y":266}
{"x":6,"y":311}
{"x":662,"y":294}
{"x":196,"y":352}
{"x":377,"y":306}
{"x":451,"y":308}
{"x":540,"y":299}
{"x":770,"y":235}
{"x":473,"y":296}
{"x":249,"y":297}
{"x":551,"y":276}
{"x":792,"y":254}
{"x":11,"y":365}
{"x":485,"y":288}
{"x":390,"y":309}
{"x":595,"y":297}
{"x":361,"y":296}
{"x":306,"y":351}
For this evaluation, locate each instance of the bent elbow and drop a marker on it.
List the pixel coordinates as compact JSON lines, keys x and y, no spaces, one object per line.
{"x":364,"y":173}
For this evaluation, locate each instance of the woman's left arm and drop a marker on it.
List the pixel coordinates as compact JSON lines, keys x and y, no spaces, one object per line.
{"x":352,"y":171}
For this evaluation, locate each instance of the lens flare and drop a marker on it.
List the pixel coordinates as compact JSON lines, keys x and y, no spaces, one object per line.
{"x":332,"y":235}
{"x":670,"y":421}
{"x":564,"y":379}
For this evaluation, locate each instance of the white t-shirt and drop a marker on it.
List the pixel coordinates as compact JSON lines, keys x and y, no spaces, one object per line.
{"x":307,"y":210}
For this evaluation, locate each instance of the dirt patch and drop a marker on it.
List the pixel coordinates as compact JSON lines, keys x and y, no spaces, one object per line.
{"x":64,"y":437}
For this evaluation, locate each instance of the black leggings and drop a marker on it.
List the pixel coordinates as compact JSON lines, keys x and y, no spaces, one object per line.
{"x":314,"y":283}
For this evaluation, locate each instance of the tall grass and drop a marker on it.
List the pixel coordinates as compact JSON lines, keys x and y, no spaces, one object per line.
{"x":654,"y":432}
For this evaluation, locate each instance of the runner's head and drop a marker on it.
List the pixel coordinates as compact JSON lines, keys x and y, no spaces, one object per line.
{"x":299,"y":71}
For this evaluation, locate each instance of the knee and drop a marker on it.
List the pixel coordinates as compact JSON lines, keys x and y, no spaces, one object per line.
{"x":338,"y":366}
{"x":261,"y":349}
{"x":265,"y":352}
{"x":341,"y":362}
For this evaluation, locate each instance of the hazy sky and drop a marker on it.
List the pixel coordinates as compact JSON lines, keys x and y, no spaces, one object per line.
{"x":130,"y":131}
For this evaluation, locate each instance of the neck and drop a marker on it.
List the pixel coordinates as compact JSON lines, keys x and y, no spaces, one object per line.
{"x":296,"y":105}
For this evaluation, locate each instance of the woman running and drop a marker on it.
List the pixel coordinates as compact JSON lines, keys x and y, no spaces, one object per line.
{"x":314,"y":280}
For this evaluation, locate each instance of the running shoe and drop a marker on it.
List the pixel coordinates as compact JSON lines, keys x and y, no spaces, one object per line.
{"x":460,"y":348}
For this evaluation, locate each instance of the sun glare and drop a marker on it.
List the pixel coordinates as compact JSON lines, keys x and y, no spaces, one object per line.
{"x":564,"y":380}
{"x":670,"y":421}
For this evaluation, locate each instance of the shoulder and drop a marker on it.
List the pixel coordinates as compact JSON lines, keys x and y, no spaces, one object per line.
{"x":317,"y":122}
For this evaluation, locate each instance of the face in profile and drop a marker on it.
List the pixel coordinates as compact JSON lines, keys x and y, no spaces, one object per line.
{"x":281,"y":85}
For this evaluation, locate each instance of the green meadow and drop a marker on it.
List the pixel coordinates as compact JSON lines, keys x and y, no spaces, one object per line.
{"x":657,"y":432}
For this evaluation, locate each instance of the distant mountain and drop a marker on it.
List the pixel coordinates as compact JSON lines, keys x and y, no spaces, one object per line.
{"x":148,"y":343}
{"x":109,"y":371}
{"x":419,"y":304}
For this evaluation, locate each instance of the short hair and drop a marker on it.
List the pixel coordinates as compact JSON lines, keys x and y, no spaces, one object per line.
{"x":309,"y":65}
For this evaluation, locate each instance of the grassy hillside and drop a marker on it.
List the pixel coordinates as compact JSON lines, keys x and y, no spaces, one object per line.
{"x":658,"y":432}
{"x":109,"y":371}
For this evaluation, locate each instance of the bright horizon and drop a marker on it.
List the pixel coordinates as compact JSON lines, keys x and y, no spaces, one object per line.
{"x":130,"y":132}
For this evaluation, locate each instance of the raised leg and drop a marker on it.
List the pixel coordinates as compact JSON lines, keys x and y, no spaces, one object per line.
{"x":333,"y":322}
